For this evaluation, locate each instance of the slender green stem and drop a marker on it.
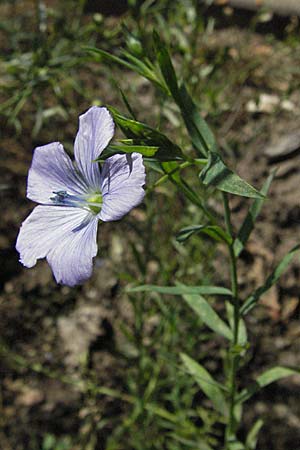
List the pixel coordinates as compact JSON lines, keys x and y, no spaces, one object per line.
{"x":183,"y":188}
{"x":227,"y":214}
{"x":178,"y":168}
{"x":166,"y":177}
{"x":233,"y":355}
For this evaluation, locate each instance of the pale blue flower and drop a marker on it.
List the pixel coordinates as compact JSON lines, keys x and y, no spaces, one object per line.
{"x":73,"y":196}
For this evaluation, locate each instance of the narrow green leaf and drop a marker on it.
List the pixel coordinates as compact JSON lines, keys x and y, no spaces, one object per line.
{"x":161,"y":412}
{"x":201,"y":135}
{"x":249,"y":222}
{"x":208,"y":315}
{"x":271,"y":280}
{"x":145,"y":150}
{"x":199,"y":445}
{"x":147,"y":136}
{"x":214,"y":231}
{"x":252,"y":437}
{"x":127,"y":104}
{"x":206,"y":382}
{"x":154,"y":165}
{"x":134,"y":64}
{"x":217,"y":174}
{"x":110,"y":57}
{"x":266,"y":378}
{"x":146,"y":69}
{"x":166,"y":66}
{"x":138,"y":61}
{"x":236,"y":445}
{"x":181,"y":289}
{"x":238,"y":412}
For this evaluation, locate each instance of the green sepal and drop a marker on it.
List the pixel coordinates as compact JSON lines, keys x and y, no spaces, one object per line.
{"x":147,"y":136}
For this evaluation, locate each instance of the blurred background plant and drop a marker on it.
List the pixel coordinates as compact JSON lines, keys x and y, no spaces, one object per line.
{"x":41,"y":65}
{"x":121,"y":384}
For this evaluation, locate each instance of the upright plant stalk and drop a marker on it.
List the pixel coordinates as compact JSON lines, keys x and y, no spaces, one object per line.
{"x":233,"y":355}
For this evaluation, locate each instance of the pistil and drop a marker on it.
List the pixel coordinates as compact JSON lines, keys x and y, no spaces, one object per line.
{"x":95,"y":202}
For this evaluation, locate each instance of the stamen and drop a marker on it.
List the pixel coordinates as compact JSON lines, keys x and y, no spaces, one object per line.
{"x":59,"y":196}
{"x":62,"y":198}
{"x":92,"y":202}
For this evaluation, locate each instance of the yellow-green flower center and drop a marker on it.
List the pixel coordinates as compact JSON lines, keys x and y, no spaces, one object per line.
{"x":95,"y":202}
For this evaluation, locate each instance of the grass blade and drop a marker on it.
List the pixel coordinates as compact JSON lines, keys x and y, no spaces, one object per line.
{"x":181,"y":290}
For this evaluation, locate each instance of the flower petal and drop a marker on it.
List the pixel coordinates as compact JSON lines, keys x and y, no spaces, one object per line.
{"x":66,"y":236}
{"x":122,"y":178}
{"x":96,"y":129}
{"x":52,"y":170}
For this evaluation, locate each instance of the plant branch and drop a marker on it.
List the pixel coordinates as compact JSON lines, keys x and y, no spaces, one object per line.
{"x":233,"y":354}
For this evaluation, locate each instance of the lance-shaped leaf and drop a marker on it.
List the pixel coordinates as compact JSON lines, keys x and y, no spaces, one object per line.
{"x":200,"y":133}
{"x":212,"y":389}
{"x":249,"y":222}
{"x":143,"y":67}
{"x":189,"y":443}
{"x":148,"y":136}
{"x":217,"y":174}
{"x":271,"y":280}
{"x":252,"y":436}
{"x":166,"y":66}
{"x":266,"y":378}
{"x":182,"y":289}
{"x":213,"y":231}
{"x":208,"y":315}
{"x":126,"y":103}
{"x":235,"y":444}
{"x":145,"y":150}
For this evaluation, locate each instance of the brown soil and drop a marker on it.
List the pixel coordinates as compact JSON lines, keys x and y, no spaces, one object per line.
{"x":55,"y":327}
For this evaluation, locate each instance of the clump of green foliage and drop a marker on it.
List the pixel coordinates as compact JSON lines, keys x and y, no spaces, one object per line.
{"x":41,"y":70}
